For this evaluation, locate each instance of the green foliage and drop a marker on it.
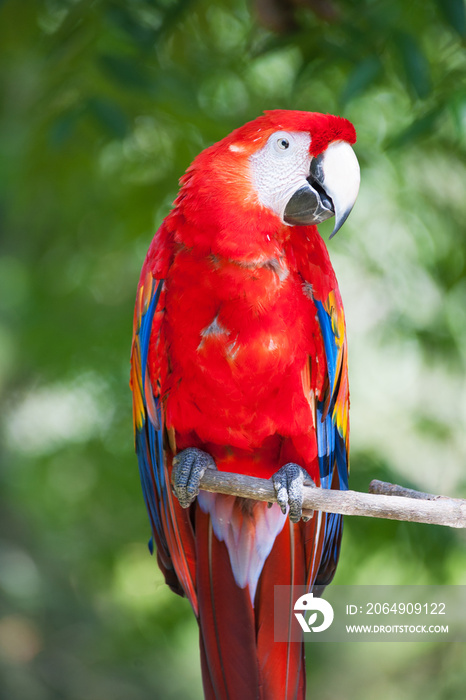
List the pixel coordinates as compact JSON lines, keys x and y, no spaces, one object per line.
{"x":105,"y":105}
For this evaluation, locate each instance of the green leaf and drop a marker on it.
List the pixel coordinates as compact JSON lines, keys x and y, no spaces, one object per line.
{"x":109,"y":115}
{"x":121,"y":17}
{"x":361,"y":78}
{"x":457,"y":108}
{"x":63,"y":127}
{"x":415,"y":65}
{"x":125,"y":71}
{"x":422,"y":127}
{"x":454,"y":13}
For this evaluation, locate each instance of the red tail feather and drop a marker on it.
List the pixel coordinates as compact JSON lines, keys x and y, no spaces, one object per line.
{"x":226,"y":619}
{"x":240,"y":659}
{"x":281,"y":664}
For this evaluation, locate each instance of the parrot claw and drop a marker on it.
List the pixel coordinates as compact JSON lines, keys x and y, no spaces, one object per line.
{"x":189,"y":467}
{"x":288,"y":484}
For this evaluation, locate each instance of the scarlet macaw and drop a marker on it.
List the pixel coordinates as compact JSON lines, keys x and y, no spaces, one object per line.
{"x":239,"y":363}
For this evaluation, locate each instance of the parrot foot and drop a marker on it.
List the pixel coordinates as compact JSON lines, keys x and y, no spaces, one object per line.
{"x":190,"y":465}
{"x":288,"y":483}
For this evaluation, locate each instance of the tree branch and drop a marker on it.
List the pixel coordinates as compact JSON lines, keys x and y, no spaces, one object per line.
{"x":406,"y":504}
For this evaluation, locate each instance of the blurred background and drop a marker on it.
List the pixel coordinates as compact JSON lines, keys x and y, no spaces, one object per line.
{"x":105,"y":104}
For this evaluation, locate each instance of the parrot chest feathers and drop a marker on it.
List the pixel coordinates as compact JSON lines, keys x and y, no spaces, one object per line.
{"x":245,"y":349}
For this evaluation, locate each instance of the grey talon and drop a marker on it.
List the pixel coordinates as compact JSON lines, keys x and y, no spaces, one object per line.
{"x":288,"y":484}
{"x":189,"y":466}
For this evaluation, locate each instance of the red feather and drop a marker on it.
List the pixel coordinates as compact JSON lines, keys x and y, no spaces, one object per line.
{"x":226,"y":621}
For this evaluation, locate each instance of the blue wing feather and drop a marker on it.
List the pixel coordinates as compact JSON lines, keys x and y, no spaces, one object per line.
{"x":149,"y":437}
{"x":331,"y":442}
{"x":166,"y":517}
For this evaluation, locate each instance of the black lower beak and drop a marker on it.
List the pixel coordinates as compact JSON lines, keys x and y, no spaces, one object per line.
{"x":310,"y":204}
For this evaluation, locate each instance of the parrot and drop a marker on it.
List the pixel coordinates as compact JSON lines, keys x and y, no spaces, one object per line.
{"x":239,"y":363}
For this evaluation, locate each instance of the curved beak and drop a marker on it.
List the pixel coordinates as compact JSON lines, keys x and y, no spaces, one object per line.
{"x":331,"y":189}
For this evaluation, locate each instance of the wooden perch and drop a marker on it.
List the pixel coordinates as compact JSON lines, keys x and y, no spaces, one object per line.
{"x":404,"y":504}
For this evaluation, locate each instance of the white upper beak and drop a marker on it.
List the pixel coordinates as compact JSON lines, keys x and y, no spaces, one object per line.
{"x":329,"y":190}
{"x":341,"y":178}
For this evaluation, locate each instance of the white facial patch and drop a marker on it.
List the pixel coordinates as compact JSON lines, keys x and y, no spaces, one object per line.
{"x":280,"y":168}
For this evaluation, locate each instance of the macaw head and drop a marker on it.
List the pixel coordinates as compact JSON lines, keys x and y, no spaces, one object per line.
{"x":284,"y":169}
{"x":306,"y":170}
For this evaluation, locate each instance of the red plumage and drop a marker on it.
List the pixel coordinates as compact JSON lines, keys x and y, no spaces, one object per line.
{"x":239,"y":350}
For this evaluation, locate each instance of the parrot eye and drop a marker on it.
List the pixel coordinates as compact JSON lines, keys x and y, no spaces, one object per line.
{"x":281,"y":141}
